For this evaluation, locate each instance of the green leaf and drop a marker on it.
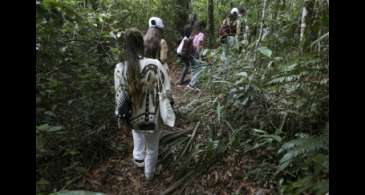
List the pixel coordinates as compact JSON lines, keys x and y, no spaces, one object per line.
{"x":112,"y":34}
{"x":275,"y":137}
{"x":42,"y":181}
{"x":320,"y":39}
{"x":119,"y":34}
{"x":259,"y":131}
{"x":43,"y":127}
{"x":227,"y":82}
{"x":278,"y":58}
{"x":244,"y":74}
{"x":265,"y":51}
{"x":219,"y":112}
{"x":55,"y":128}
{"x":50,"y":113}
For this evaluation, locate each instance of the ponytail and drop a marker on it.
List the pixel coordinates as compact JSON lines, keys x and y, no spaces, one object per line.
{"x":134,"y":48}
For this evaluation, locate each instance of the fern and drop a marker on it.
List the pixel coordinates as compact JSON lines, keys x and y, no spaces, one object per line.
{"x":313,"y":152}
{"x":301,"y":148}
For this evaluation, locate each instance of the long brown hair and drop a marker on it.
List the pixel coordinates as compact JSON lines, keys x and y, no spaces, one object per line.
{"x":134,"y":48}
{"x":152,"y":40}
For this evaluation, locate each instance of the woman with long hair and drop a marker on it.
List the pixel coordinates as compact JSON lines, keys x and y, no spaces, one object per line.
{"x":138,"y":83}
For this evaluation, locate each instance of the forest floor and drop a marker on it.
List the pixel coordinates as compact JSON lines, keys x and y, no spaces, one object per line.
{"x":118,"y":175}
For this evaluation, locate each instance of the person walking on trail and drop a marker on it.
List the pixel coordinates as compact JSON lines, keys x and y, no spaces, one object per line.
{"x":233,"y":26}
{"x":138,"y":83}
{"x":198,"y":43}
{"x":242,"y":24}
{"x":155,"y":46}
{"x":198,"y":40}
{"x":185,"y":53}
{"x":229,"y":33}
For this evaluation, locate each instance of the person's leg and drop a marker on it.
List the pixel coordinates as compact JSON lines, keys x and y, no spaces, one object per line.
{"x":230,"y":43}
{"x":196,"y":68}
{"x":182,"y":62}
{"x":224,"y":58}
{"x":194,"y":79}
{"x":138,"y":148}
{"x":152,"y":142}
{"x":185,"y":70}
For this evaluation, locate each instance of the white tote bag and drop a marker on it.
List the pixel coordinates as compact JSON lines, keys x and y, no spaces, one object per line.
{"x":179,"y":49}
{"x":166,"y":111}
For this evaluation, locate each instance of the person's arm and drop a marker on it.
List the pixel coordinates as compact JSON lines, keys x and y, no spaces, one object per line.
{"x":166,"y":83}
{"x":238,"y":28}
{"x":201,"y":43}
{"x":121,"y":95}
{"x":163,"y":51}
{"x":225,"y":22}
{"x":118,"y":80}
{"x":190,"y":46}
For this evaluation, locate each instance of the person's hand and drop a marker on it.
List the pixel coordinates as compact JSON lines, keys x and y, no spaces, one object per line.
{"x":172,"y":102}
{"x":122,"y":124}
{"x":169,"y":96}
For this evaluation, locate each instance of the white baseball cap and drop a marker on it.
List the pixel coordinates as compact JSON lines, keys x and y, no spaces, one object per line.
{"x":155,"y":22}
{"x":235,"y":11}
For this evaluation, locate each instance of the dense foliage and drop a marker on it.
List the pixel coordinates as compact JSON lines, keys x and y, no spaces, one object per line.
{"x":274,"y":107}
{"x":271,"y":106}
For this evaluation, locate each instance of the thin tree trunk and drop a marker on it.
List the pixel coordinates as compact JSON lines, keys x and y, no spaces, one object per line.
{"x":319,"y":42}
{"x":182,"y":12}
{"x":261,"y":30}
{"x":303,"y":23}
{"x":276,"y":12}
{"x":262,"y":23}
{"x":211,"y":23}
{"x":306,"y":21}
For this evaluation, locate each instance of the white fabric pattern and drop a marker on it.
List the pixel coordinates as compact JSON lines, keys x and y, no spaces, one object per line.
{"x":119,"y":85}
{"x":145,"y":144}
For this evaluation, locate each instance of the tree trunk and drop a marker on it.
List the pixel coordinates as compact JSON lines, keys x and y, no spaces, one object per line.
{"x":305,"y":24}
{"x":302,"y":23}
{"x":211,"y":37}
{"x":182,"y":13}
{"x":276,"y":12}
{"x":261,"y":30}
{"x":262,"y":23}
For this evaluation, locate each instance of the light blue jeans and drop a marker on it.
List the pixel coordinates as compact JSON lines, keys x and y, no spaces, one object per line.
{"x":196,"y":69}
{"x":227,"y":46}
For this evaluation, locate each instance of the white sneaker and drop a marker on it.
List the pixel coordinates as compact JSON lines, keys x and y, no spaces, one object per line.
{"x":149,"y":176}
{"x":138,"y":163}
{"x":190,"y":87}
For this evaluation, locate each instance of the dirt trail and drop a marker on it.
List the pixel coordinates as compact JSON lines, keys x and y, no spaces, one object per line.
{"x":118,"y":175}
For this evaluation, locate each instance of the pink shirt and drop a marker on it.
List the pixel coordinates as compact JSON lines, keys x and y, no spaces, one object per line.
{"x":197,"y":39}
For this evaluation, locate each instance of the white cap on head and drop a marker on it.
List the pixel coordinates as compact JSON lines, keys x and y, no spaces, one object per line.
{"x":235,"y":11}
{"x":155,"y":22}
